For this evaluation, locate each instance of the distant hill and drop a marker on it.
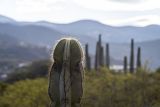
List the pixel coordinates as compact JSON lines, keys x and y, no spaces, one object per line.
{"x":13,"y":52}
{"x":44,"y":33}
{"x":85,"y":30}
{"x":32,"y":34}
{"x":92,"y":28}
{"x":4,"y":19}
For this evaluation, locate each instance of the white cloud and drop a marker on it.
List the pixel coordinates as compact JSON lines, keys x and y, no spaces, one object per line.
{"x":114,"y":12}
{"x":128,"y":1}
{"x":108,"y":5}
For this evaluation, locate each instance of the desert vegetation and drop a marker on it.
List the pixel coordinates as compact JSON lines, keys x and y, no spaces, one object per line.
{"x":105,"y":88}
{"x":134,"y":86}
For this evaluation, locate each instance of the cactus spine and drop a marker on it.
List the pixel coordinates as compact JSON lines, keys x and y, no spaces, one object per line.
{"x":132,"y":56}
{"x":88,"y":60}
{"x":107,"y":56}
{"x":125,"y":68}
{"x":139,"y":58}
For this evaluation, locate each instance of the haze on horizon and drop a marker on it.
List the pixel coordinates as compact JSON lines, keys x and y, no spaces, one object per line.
{"x":111,"y":12}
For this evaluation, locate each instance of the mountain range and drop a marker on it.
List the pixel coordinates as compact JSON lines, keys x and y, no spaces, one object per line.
{"x":43,"y":33}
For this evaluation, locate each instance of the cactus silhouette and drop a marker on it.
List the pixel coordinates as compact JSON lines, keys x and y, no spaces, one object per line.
{"x":101,"y":51}
{"x":100,"y":40}
{"x":66,"y":74}
{"x":87,"y":57}
{"x":125,"y":66}
{"x":139,"y":58}
{"x":101,"y":61}
{"x":96,"y":66}
{"x":99,"y":56}
{"x":132,"y":56}
{"x":107,"y":56}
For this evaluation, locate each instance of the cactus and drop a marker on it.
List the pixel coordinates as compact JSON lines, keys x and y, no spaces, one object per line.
{"x":67,"y":68}
{"x":88,"y":62}
{"x":139,"y":58}
{"x":101,"y":61}
{"x":99,"y":56}
{"x":100,"y":40}
{"x":107,"y":56}
{"x":132,"y":56}
{"x":125,"y":66}
{"x":100,"y":51}
{"x":96,"y":66}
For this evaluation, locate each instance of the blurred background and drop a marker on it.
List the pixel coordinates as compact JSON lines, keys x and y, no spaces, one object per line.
{"x":29,"y":30}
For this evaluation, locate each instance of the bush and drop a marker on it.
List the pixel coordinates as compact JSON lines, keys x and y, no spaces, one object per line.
{"x":101,"y":89}
{"x":27,"y":93}
{"x":34,"y":70}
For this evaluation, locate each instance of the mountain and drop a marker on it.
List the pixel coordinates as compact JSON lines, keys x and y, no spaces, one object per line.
{"x":91,"y":28}
{"x":30,"y":33}
{"x":4,"y":19}
{"x":44,"y":33}
{"x":88,"y":29}
{"x":14,"y":52}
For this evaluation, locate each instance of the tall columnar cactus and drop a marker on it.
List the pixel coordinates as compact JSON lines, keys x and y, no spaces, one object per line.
{"x":66,"y":74}
{"x":100,"y":51}
{"x":107,"y":56}
{"x":139,"y":58}
{"x":100,"y":40}
{"x":88,"y":62}
{"x":96,"y":66}
{"x":132,"y":56}
{"x":101,"y":56}
{"x":125,"y":66}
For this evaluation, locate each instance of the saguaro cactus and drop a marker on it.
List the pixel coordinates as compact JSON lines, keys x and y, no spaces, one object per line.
{"x":66,"y":74}
{"x":87,"y":57}
{"x":132,"y":56}
{"x":125,"y":66}
{"x":101,"y":61}
{"x":100,"y":40}
{"x":99,"y":56}
{"x":139,"y":58}
{"x":107,"y":56}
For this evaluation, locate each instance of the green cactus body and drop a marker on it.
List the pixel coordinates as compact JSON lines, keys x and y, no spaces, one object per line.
{"x":88,"y":60}
{"x":125,"y":68}
{"x":97,"y":56}
{"x":101,"y":56}
{"x":66,"y":75}
{"x":107,"y":56}
{"x":132,"y":56}
{"x":139,"y":58}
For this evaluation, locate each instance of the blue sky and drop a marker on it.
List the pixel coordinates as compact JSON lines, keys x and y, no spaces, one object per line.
{"x":112,"y":12}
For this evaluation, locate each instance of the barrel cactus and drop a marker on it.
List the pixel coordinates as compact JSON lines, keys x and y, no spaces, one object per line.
{"x":66,"y":74}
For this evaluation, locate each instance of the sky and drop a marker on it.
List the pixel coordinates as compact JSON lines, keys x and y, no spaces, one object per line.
{"x":111,"y":12}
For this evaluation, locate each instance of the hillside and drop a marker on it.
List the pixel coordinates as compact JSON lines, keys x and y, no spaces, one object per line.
{"x":44,"y":34}
{"x":13,"y":52}
{"x":91,"y":28}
